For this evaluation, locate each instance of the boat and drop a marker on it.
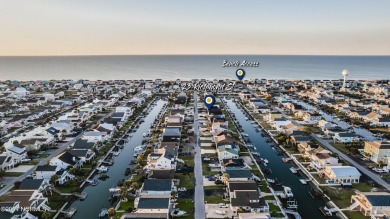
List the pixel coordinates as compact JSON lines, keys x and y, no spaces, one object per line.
{"x":245,"y":135}
{"x":266,"y":161}
{"x":286,"y":160}
{"x":287,"y":192}
{"x":115,"y":153}
{"x":250,"y":146}
{"x":303,"y":181}
{"x":102,"y":169}
{"x":95,"y":182}
{"x":294,"y":169}
{"x":255,"y":153}
{"x":103,"y":212}
{"x":270,"y":180}
{"x":178,"y":213}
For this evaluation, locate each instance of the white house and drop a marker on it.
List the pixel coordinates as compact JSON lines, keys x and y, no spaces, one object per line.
{"x":157,"y":187}
{"x":45,"y":172}
{"x":345,"y":137}
{"x":341,"y":174}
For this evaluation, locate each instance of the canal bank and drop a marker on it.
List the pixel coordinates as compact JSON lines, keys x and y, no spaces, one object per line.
{"x":307,"y":206}
{"x":98,"y":196}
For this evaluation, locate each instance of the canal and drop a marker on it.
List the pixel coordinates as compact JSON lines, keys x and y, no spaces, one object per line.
{"x":308,"y":207}
{"x":98,"y":195}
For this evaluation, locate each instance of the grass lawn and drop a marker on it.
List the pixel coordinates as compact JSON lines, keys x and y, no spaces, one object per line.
{"x":186,"y":181}
{"x":342,"y":196}
{"x":188,"y":159}
{"x":207,"y":171}
{"x":341,"y":147}
{"x":355,"y":215}
{"x":127,"y":206}
{"x":56,"y":201}
{"x":274,"y":210}
{"x":186,"y":205}
{"x":214,"y":199}
{"x":12,"y":174}
{"x":264,"y":188}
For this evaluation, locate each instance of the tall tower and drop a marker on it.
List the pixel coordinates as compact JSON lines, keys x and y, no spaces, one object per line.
{"x":345,"y":73}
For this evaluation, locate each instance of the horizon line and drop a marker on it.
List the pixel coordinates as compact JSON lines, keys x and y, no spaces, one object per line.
{"x":197,"y":54}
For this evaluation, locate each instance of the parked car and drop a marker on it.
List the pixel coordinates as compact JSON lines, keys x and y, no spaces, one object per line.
{"x":222,"y":205}
{"x":218,"y":182}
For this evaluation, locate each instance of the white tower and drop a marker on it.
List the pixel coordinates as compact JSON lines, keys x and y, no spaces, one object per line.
{"x":345,"y":73}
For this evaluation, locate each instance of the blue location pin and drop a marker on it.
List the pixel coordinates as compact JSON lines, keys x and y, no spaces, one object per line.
{"x":209,"y":101}
{"x":240,"y":73}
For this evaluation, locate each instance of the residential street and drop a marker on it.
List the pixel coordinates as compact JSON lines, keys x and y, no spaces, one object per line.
{"x":376,"y":177}
{"x":199,"y":191}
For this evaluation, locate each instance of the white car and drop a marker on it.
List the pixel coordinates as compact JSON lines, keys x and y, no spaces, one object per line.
{"x":222,"y":205}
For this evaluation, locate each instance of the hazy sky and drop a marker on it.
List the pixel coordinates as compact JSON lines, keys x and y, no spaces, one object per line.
{"x":93,"y":27}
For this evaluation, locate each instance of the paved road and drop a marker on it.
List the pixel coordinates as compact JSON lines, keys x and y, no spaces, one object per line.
{"x":60,"y":149}
{"x":200,"y":211}
{"x":362,"y":169}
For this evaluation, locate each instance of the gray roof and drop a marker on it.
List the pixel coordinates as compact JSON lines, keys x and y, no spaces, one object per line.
{"x":83,"y":144}
{"x":30,"y":184}
{"x":46,"y":168}
{"x":172,"y":132}
{"x":153,"y":203}
{"x":157,"y":185}
{"x":244,"y":173}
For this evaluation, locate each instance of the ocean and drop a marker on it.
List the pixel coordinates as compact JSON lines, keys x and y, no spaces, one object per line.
{"x":170,"y":67}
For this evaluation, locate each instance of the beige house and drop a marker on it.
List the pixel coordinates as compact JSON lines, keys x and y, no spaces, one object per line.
{"x":377,"y":151}
{"x":341,"y":174}
{"x":374,"y":204}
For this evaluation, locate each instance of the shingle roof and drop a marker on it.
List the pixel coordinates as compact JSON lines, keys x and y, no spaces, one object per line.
{"x":153,"y":203}
{"x":46,"y":168}
{"x":30,"y":184}
{"x":157,"y":185}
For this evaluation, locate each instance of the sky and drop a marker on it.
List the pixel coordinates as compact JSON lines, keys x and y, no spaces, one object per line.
{"x":119,"y":27}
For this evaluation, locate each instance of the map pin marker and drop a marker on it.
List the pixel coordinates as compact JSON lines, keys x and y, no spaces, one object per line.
{"x":240,"y":73}
{"x":209,"y":101}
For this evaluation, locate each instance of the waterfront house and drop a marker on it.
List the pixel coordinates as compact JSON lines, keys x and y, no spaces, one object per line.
{"x":377,"y":151}
{"x":233,"y":164}
{"x":227,"y":151}
{"x":152,"y":205}
{"x":341,"y":174}
{"x":238,"y":175}
{"x":161,"y":174}
{"x":346,"y":137}
{"x":29,"y":199}
{"x":373,"y":204}
{"x":233,"y":186}
{"x":371,"y":116}
{"x":157,"y":187}
{"x":247,"y":201}
{"x":322,"y":160}
{"x":66,"y":159}
{"x":171,"y":134}
{"x":95,"y":136}
{"x":164,"y":158}
{"x":45,"y":171}
{"x":34,"y":184}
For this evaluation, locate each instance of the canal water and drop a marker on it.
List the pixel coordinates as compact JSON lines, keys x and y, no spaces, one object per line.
{"x":98,"y":195}
{"x":308,"y":207}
